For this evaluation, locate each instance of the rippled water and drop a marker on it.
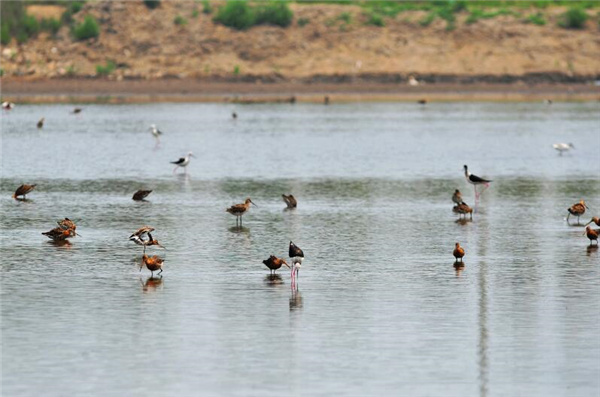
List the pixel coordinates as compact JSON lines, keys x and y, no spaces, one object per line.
{"x":379,"y":308}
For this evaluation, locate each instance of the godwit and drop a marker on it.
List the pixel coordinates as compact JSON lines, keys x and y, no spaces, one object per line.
{"x":238,"y":210}
{"x":40,"y":123}
{"x":562,"y":147}
{"x":23,"y":190}
{"x":60,"y":234}
{"x":8,"y":105}
{"x":457,"y":197}
{"x":463,"y":209}
{"x":595,"y":220}
{"x":290,"y":201}
{"x":475,"y":180}
{"x":577,"y":210}
{"x":458,"y":252}
{"x":67,"y":224}
{"x":138,"y":237}
{"x":77,"y":110}
{"x":153,"y":263}
{"x":182,"y":162}
{"x":274,"y":263}
{"x":140,"y":195}
{"x":592,"y":234}
{"x":296,"y":257}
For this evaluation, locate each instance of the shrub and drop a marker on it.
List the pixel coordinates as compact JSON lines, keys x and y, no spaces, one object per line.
{"x":375,"y":20}
{"x":536,"y":19}
{"x":4,"y":34}
{"x":50,"y":25}
{"x":345,"y":16}
{"x":574,"y":18}
{"x":428,"y":19}
{"x":106,"y":69}
{"x":152,"y":4}
{"x":274,"y":13}
{"x":303,"y":22}
{"x":206,"y":7}
{"x":195,"y":13}
{"x":236,"y":70}
{"x":30,"y":25}
{"x":235,"y":14}
{"x":87,"y":29}
{"x":179,"y":20}
{"x":446,"y":14}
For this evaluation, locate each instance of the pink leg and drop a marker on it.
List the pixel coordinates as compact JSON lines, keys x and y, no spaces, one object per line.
{"x":175,"y":168}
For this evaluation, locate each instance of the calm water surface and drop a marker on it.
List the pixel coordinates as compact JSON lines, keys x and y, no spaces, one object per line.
{"x":379,"y":308}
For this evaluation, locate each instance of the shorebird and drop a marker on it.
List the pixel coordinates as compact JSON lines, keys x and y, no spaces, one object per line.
{"x":183,"y":162}
{"x":238,"y":210}
{"x":60,"y":234}
{"x":595,"y":220}
{"x":563,"y":147}
{"x":422,"y":101}
{"x":296,"y":257}
{"x":234,"y":115}
{"x":547,"y":101}
{"x":592,"y":234}
{"x":140,"y":195}
{"x":77,"y":110}
{"x":274,"y":263}
{"x":577,"y":210}
{"x":155,"y":132}
{"x":412,"y":81}
{"x":326,"y":100}
{"x":457,"y":197}
{"x":40,"y":123}
{"x":458,"y":252}
{"x":138,"y":237}
{"x":67,"y":224}
{"x":8,"y":105}
{"x":290,"y":201}
{"x":153,"y":263}
{"x":463,"y":209}
{"x":475,"y":180}
{"x":23,"y":190}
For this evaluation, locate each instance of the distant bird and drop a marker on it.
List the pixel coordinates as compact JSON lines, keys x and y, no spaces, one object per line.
{"x":293,"y":99}
{"x":422,"y":101}
{"x":475,"y":181}
{"x":77,"y":110}
{"x":40,"y":123}
{"x":234,"y":115}
{"x":577,"y":210}
{"x":296,"y":257}
{"x":182,"y":162}
{"x":274,"y":263}
{"x":457,"y":197}
{"x":463,"y":209}
{"x":458,"y":252}
{"x":326,"y":100}
{"x":59,"y":234}
{"x":412,"y":81}
{"x":547,"y":101}
{"x":290,"y":201}
{"x":23,"y":190}
{"x":595,"y":220}
{"x":138,"y":237}
{"x":153,"y":264}
{"x":238,"y":210}
{"x":592,"y":234}
{"x":140,"y":195}
{"x":563,"y":147}
{"x":8,"y":105}
{"x":156,"y":133}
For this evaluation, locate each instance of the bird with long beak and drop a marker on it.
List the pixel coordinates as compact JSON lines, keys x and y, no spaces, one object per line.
{"x":238,"y":210}
{"x":274,"y":263}
{"x":23,"y":190}
{"x":290,"y":201}
{"x":463,"y":209}
{"x":458,"y":252}
{"x":296,"y":257}
{"x":595,"y":220}
{"x":138,"y":238}
{"x":153,"y":263}
{"x":577,"y":210}
{"x":592,"y":234}
{"x":59,"y":234}
{"x":67,"y":224}
{"x":183,"y":162}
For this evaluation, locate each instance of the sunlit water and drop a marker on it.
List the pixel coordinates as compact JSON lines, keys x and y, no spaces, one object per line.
{"x":379,"y":308}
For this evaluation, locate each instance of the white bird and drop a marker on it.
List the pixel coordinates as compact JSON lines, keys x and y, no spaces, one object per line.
{"x":182,"y":162}
{"x":563,"y":147}
{"x":8,"y":105}
{"x":155,"y":131}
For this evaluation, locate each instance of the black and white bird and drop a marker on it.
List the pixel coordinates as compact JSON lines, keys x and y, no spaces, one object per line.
{"x":8,"y":105}
{"x":182,"y":162}
{"x":563,"y":147}
{"x":156,"y":133}
{"x":476,"y":181}
{"x":296,"y":257}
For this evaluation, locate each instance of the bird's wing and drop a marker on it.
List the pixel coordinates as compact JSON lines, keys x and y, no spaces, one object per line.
{"x":180,"y":161}
{"x":476,"y":179}
{"x":237,"y":208}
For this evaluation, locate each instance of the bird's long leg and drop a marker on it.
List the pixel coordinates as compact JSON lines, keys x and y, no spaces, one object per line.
{"x":568,"y":217}
{"x":175,"y":169}
{"x":241,"y":221}
{"x":160,"y":271}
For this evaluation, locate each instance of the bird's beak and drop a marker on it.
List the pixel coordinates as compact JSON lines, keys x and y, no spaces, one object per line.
{"x":161,"y":247}
{"x":253,"y":203}
{"x":589,"y":222}
{"x":285,"y":263}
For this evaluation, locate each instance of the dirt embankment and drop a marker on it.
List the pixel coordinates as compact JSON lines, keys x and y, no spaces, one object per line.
{"x":147,"y":44}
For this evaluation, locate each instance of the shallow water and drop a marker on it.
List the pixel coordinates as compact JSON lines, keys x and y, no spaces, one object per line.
{"x":379,"y":308}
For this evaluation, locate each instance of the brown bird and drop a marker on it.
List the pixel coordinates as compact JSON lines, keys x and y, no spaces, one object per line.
{"x":290,"y":201}
{"x":40,"y":123}
{"x":457,"y":197}
{"x":326,"y":100}
{"x":60,"y":234}
{"x":577,"y":210}
{"x":238,"y":210}
{"x":23,"y":190}
{"x":67,"y":224}
{"x":463,"y":209}
{"x":274,"y":263}
{"x":592,"y":234}
{"x":459,"y":252}
{"x":140,"y":195}
{"x":153,"y":263}
{"x":422,"y":101}
{"x":138,"y":237}
{"x":595,"y":220}
{"x":77,"y":110}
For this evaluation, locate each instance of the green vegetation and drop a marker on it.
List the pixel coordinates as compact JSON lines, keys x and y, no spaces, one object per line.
{"x":179,"y":20}
{"x":375,"y":19}
{"x":303,"y":22}
{"x":195,"y":13}
{"x":51,"y":25}
{"x":107,"y":69}
{"x":73,"y":7}
{"x":241,"y":16}
{"x":152,"y":4}
{"x":536,"y":19}
{"x":206,"y":7}
{"x":4,"y":34}
{"x":480,"y":13}
{"x":276,"y":13}
{"x":236,"y":70}
{"x":574,"y":18}
{"x":426,"y":21}
{"x":345,"y":17}
{"x":87,"y":29}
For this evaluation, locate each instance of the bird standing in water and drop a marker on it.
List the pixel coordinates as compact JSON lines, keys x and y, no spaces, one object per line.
{"x":153,"y":263}
{"x":138,"y":237}
{"x":40,"y":123}
{"x":463,"y":209}
{"x":238,"y":210}
{"x":290,"y":201}
{"x":296,"y":257}
{"x":140,"y":195}
{"x":182,"y":162}
{"x":458,"y":252}
{"x":457,"y":197}
{"x":577,"y":210}
{"x":595,"y":220}
{"x":23,"y":190}
{"x":60,"y":234}
{"x":563,"y":147}
{"x":274,"y":263}
{"x":156,"y":133}
{"x":475,"y":181}
{"x":592,"y":234}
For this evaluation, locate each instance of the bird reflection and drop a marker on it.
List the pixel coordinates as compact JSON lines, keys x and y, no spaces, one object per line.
{"x":23,"y":200}
{"x":591,"y":248}
{"x":60,"y":243}
{"x":273,"y":280}
{"x":239,"y":229}
{"x":458,"y":267}
{"x":295,"y":299}
{"x":463,"y":221}
{"x":458,"y":264}
{"x":151,"y":283}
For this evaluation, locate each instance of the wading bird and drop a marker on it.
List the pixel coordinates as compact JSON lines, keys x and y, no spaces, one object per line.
{"x":59,"y":234}
{"x":563,"y":147}
{"x":77,"y":110}
{"x":475,"y":181}
{"x":40,"y":123}
{"x":577,"y":210}
{"x":67,"y":224}
{"x":274,"y":263}
{"x":457,"y":197}
{"x":153,"y":263}
{"x":234,"y":115}
{"x":182,"y":162}
{"x":290,"y":201}
{"x":463,"y":209}
{"x":23,"y":190}
{"x":238,"y":210}
{"x":8,"y":105}
{"x":458,"y":252}
{"x":296,"y":257}
{"x":595,"y":220}
{"x":138,"y":237}
{"x":140,"y":195}
{"x":592,"y":234}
